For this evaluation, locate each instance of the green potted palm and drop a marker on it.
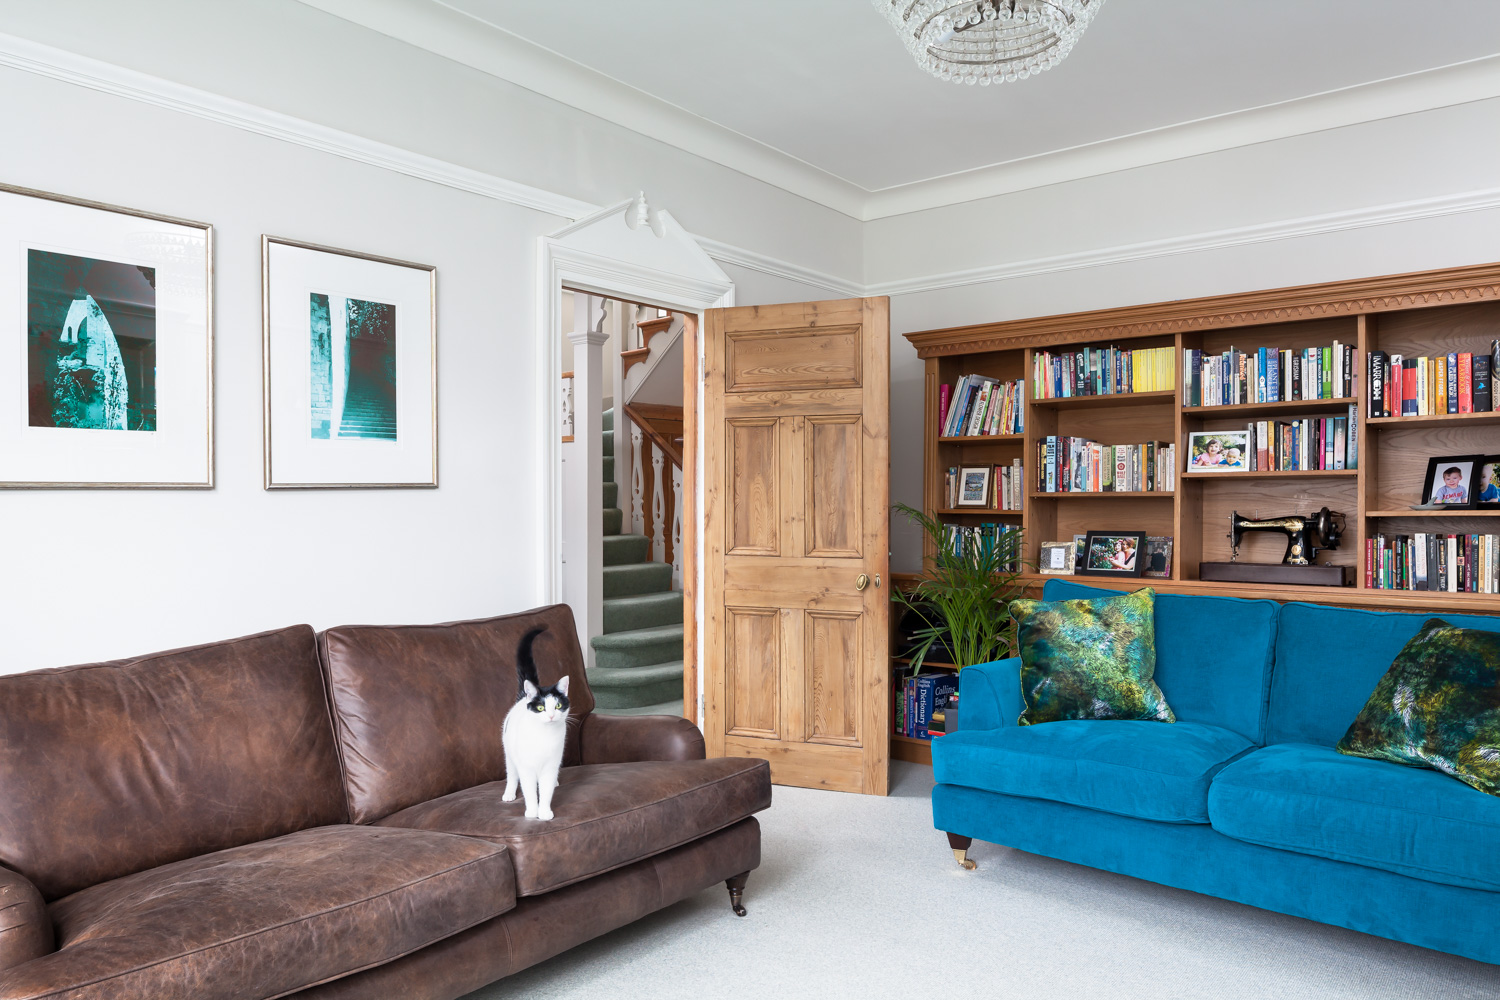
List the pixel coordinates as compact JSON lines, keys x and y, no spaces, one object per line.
{"x":963,"y":597}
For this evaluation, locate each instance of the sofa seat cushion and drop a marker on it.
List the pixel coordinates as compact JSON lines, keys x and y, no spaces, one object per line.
{"x":267,"y":919}
{"x":1314,"y":800}
{"x":1132,"y":768}
{"x":604,"y":815}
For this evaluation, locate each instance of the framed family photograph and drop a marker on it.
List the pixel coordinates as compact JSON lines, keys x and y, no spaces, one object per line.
{"x":108,"y":379}
{"x":1113,"y":553}
{"x":1218,"y":451}
{"x":1452,"y":481}
{"x":1056,"y":559}
{"x":350,"y":368}
{"x":974,"y":486}
{"x":1158,"y":558}
{"x":1487,"y":485}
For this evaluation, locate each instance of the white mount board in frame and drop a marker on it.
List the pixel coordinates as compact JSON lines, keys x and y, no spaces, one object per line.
{"x":332,"y":420}
{"x":108,"y":382}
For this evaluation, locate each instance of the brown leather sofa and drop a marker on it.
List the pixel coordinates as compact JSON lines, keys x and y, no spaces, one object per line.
{"x":320,"y":815}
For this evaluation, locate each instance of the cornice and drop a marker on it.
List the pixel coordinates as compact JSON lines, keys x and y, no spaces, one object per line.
{"x":1277,"y":305}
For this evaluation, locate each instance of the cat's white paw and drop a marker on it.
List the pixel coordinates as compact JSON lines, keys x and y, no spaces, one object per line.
{"x":530,"y":813}
{"x":508,"y":797}
{"x":544,"y":814}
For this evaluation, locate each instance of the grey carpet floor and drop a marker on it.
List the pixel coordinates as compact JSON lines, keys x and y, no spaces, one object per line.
{"x":859,"y":897}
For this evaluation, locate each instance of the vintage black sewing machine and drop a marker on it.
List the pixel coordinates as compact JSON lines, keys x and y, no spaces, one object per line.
{"x":1305,"y":538}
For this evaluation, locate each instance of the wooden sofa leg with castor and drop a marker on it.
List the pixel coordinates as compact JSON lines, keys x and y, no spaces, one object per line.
{"x":960,"y":847}
{"x":737,"y":892}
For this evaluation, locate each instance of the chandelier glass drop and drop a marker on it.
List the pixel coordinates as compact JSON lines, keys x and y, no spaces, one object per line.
{"x":989,"y":41}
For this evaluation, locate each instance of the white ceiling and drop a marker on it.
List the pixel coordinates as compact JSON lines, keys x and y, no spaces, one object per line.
{"x":821,"y":97}
{"x":829,"y":82}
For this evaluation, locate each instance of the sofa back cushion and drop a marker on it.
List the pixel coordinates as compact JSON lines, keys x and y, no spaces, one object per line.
{"x":112,"y":768}
{"x":418,"y":708}
{"x":1328,"y":661}
{"x":1213,"y":654}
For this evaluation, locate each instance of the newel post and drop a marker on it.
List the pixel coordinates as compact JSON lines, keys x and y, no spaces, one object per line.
{"x":583,"y":476}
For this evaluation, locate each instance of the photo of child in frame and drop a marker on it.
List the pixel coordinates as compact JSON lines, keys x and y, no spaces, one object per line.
{"x":1487,"y":489}
{"x":1451,"y":481}
{"x":1218,"y":451}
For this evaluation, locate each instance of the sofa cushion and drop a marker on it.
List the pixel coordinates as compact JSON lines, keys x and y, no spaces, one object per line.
{"x":418,"y":708}
{"x":267,"y":919}
{"x":113,"y":768}
{"x":605,"y":815}
{"x":1227,"y":689}
{"x":1438,"y":706}
{"x":1315,"y":800}
{"x":1141,"y":769}
{"x":1089,"y":658}
{"x":1315,"y":695}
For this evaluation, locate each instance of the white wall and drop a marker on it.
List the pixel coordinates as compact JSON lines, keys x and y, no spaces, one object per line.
{"x":181,"y":567}
{"x":1339,"y":204}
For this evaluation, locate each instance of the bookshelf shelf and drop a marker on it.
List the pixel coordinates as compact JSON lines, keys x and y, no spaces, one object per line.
{"x":1106,"y":494}
{"x":1273,"y":474}
{"x":1112,"y":399}
{"x":1436,"y":420}
{"x":988,"y":511}
{"x":1296,"y":407}
{"x":1432,"y":313}
{"x":982,"y":439}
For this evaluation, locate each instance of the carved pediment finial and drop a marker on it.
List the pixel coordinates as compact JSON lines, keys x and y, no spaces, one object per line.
{"x":639,"y":213}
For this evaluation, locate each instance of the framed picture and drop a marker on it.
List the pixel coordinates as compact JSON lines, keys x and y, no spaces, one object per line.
{"x":1452,"y":481}
{"x":350,"y":368}
{"x":1158,"y":557}
{"x":974,"y":486}
{"x":1218,"y":451}
{"x":1113,"y":553}
{"x":107,"y":379}
{"x":1487,"y":483}
{"x":1078,"y":541}
{"x":1056,"y":559}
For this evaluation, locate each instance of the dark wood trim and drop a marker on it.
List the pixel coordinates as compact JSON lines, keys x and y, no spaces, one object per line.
{"x":688,"y":459}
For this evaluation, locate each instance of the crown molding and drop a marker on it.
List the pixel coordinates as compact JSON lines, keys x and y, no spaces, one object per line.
{"x":726,"y":253}
{"x":1316,"y":225}
{"x":83,"y":71}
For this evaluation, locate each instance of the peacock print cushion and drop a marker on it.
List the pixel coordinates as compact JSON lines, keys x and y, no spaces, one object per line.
{"x":1438,"y":706}
{"x":1089,"y":659}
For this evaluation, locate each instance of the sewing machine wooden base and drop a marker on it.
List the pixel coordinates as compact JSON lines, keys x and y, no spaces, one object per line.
{"x":1301,"y":576}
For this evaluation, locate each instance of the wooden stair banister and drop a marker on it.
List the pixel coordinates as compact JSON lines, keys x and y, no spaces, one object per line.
{"x":654,"y":489}
{"x":649,"y":328}
{"x":662,"y":423}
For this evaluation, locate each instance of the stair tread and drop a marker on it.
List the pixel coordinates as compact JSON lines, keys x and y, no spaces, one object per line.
{"x":643,"y":600}
{"x":637,"y":637}
{"x":606,"y":677}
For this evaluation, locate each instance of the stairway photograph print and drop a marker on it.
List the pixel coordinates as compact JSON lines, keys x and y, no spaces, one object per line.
{"x":350,"y":369}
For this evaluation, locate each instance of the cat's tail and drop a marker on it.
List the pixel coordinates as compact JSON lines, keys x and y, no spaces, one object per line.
{"x":525,"y":665}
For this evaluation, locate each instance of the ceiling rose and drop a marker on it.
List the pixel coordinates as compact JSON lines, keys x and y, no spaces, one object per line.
{"x":989,"y":41}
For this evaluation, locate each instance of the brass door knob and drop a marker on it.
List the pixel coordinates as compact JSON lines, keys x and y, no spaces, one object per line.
{"x":862,"y":582}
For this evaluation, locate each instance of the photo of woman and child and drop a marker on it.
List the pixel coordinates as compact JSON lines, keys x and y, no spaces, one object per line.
{"x":1113,"y":553}
{"x":1218,"y":451}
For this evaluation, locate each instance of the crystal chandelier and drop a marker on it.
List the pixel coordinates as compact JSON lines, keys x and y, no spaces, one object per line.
{"x":989,"y":41}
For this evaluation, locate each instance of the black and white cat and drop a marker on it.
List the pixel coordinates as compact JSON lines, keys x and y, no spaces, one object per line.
{"x":533,"y":735}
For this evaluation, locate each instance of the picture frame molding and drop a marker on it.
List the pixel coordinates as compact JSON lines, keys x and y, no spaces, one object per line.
{"x":1140,"y":552}
{"x":208,"y":346}
{"x":266,"y":241}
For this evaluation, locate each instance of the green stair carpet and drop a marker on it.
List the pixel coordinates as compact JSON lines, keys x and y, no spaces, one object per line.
{"x":638,"y":659}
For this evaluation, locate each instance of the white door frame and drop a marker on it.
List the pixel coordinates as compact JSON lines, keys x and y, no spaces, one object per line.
{"x":632,"y":252}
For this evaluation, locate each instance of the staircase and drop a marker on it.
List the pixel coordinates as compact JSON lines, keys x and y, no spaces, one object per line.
{"x":369,"y":409}
{"x":638,"y":660}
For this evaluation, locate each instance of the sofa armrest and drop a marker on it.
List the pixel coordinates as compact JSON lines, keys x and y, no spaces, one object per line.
{"x":990,"y":695}
{"x":25,"y":927}
{"x":618,"y":739}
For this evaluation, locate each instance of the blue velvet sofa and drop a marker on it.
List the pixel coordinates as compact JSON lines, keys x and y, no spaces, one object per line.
{"x":1244,"y":796}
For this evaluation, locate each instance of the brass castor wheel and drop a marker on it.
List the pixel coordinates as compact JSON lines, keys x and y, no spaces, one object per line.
{"x":737,"y":893}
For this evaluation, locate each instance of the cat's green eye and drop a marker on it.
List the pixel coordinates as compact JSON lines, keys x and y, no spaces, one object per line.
{"x":538,"y":708}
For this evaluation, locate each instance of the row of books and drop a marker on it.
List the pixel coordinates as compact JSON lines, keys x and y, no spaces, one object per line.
{"x":982,"y":538}
{"x":1078,"y":465}
{"x":1458,"y":382}
{"x":1000,"y":491}
{"x":1102,"y":371}
{"x":1268,"y":375}
{"x":1454,"y":564}
{"x":1312,"y":443}
{"x":979,"y":405}
{"x":920,"y":703}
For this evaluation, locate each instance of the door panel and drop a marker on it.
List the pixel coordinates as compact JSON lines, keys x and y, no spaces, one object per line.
{"x":796,"y":468}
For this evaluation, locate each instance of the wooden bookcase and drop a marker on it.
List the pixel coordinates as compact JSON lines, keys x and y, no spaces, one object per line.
{"x":1425,"y":313}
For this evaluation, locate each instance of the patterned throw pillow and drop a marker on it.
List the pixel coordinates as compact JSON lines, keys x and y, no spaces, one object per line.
{"x":1089,"y":659}
{"x":1438,"y":706}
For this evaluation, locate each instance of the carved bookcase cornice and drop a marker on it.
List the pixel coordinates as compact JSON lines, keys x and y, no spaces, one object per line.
{"x":1333,"y":299}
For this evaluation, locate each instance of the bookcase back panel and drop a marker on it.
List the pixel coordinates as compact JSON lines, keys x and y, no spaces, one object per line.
{"x":1429,"y":332}
{"x":1132,"y":425}
{"x":1077,"y":515}
{"x":1292,"y":336}
{"x":1261,"y":498}
{"x":1437,"y":525}
{"x":1004,"y":365}
{"x":1402,"y":454}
